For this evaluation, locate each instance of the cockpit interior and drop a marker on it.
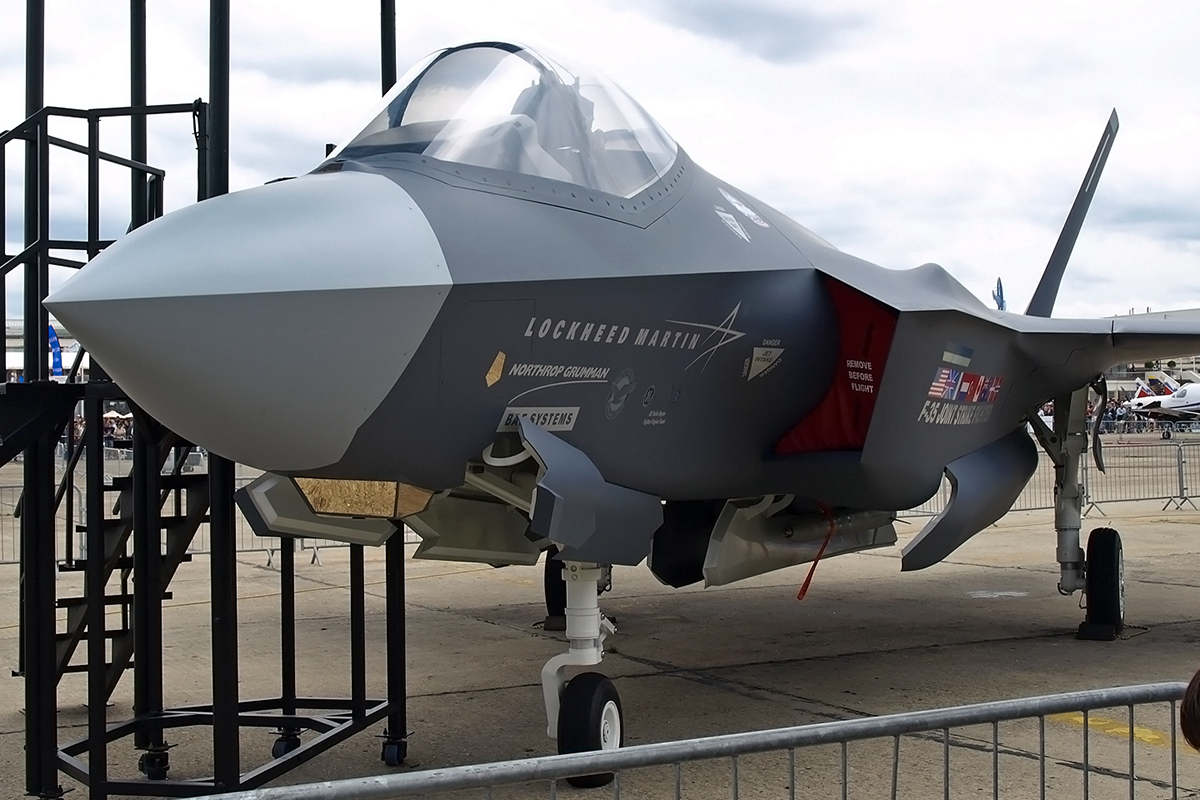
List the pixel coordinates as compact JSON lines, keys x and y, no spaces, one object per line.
{"x":505,"y":107}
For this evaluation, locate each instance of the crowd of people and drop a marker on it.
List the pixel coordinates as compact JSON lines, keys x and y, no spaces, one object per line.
{"x":1116,"y":418}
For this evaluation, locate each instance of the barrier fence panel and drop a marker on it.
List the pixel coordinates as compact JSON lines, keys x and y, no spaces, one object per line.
{"x":1118,"y":742}
{"x":1039,"y":492}
{"x":1134,"y":472}
{"x":10,"y":526}
{"x":1189,"y":472}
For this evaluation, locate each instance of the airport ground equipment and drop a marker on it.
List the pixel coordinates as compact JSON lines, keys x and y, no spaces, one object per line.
{"x":138,"y":527}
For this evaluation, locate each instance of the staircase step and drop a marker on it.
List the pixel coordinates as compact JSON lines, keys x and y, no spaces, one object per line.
{"x":117,"y":522}
{"x":109,"y":600}
{"x":115,"y":634}
{"x":184,"y":480}
{"x":80,"y":564}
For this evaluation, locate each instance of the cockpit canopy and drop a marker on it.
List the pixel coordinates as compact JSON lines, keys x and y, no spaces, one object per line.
{"x":505,"y":107}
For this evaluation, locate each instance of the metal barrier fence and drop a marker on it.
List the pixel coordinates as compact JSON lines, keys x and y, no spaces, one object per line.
{"x":1053,"y":744}
{"x":1135,"y":472}
{"x":1168,"y":472}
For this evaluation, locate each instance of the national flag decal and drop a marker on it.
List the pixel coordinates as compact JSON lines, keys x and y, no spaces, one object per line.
{"x":965,"y":387}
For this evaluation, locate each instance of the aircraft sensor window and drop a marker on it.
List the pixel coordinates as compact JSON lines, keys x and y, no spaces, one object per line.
{"x":504,"y":107}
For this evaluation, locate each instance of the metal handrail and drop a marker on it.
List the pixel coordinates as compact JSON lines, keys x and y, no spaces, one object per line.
{"x":385,"y":787}
{"x":25,"y":126}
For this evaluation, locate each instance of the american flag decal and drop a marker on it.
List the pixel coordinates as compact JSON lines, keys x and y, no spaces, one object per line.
{"x":965,"y":387}
{"x":945,"y":383}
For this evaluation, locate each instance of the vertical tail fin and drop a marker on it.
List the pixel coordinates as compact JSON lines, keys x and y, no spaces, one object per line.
{"x":1042,"y":302}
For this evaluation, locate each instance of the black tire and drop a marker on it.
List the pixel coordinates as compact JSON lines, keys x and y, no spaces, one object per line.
{"x":1105,"y":579}
{"x":394,"y":753}
{"x":284,"y":745}
{"x":553,"y":585}
{"x":590,"y":718}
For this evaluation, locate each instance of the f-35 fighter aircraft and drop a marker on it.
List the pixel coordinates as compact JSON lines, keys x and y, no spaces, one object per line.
{"x":516,"y":305}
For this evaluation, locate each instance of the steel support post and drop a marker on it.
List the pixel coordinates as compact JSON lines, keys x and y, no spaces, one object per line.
{"x":396,"y":733}
{"x":35,"y":65}
{"x":37,"y":229}
{"x":93,"y":187}
{"x":147,"y":598}
{"x":223,"y":565}
{"x":287,"y":623}
{"x":139,"y":211}
{"x":94,"y":591}
{"x":218,"y":92}
{"x":37,"y":522}
{"x":37,"y":550}
{"x":200,"y":131}
{"x":387,"y":43}
{"x":358,"y":633}
{"x":37,"y":269}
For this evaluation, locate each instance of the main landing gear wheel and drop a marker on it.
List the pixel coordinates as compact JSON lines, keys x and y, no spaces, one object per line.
{"x":1105,"y":586}
{"x":589,"y":718}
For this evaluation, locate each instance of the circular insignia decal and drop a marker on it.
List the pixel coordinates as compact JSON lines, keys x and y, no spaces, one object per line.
{"x":618,"y":394}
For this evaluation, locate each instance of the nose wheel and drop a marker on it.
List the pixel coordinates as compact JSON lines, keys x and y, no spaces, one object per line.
{"x":585,"y":713}
{"x":589,"y":718}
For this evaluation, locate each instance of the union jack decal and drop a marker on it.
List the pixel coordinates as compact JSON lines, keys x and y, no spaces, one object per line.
{"x":945,"y":384}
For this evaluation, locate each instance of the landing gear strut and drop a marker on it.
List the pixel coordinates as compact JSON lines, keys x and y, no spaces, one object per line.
{"x":584,"y":714}
{"x":1101,"y":574}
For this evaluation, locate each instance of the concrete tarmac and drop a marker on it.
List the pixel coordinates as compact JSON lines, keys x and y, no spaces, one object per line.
{"x":987,"y":624}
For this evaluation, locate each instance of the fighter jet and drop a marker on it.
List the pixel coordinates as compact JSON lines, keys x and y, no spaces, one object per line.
{"x":516,"y":311}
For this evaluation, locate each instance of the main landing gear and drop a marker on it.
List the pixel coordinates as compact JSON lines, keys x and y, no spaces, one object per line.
{"x":1100,"y":575}
{"x":585,"y":713}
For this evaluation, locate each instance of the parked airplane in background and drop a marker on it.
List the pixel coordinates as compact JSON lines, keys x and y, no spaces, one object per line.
{"x":1179,"y":404}
{"x":592,"y":343}
{"x":1161,"y":382}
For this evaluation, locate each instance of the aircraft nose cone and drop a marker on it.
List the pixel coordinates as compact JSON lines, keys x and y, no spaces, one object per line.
{"x":265,"y":325}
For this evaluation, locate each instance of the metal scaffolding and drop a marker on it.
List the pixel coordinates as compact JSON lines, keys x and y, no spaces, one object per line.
{"x":138,"y":529}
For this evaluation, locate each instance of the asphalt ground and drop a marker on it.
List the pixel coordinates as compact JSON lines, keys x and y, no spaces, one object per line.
{"x":987,"y":624}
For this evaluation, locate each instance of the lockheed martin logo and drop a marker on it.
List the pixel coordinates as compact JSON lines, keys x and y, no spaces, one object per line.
{"x":718,"y":337}
{"x":675,"y":334}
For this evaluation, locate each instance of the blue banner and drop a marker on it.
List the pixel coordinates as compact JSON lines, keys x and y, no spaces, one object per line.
{"x":55,"y":354}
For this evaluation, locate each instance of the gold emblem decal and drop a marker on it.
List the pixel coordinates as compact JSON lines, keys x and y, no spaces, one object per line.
{"x":496,"y":371}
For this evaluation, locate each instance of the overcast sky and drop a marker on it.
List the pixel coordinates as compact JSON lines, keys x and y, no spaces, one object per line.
{"x":903,"y":132}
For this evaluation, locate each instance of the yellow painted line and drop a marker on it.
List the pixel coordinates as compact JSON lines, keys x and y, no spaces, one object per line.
{"x":1115,"y":727}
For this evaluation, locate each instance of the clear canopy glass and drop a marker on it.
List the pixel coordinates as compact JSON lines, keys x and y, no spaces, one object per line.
{"x":505,"y":107}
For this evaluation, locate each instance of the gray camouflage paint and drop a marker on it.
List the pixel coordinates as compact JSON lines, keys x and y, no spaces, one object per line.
{"x":530,"y":263}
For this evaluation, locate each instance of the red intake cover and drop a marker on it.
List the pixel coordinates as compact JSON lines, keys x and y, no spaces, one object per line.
{"x":841,"y":420}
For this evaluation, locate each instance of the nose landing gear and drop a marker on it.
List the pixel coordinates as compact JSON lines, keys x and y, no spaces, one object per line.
{"x":585,"y":713}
